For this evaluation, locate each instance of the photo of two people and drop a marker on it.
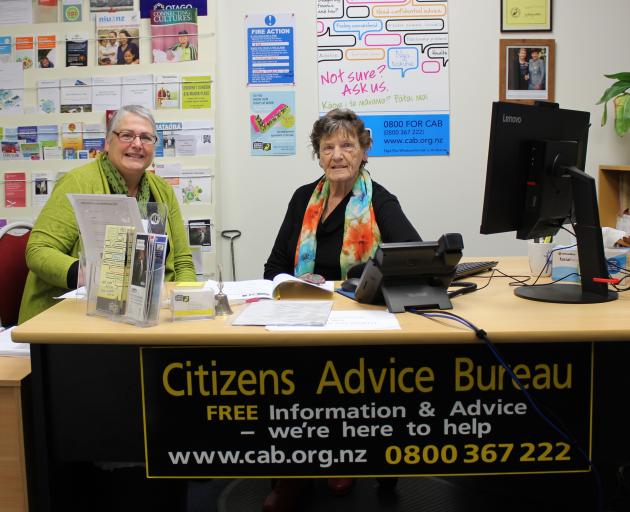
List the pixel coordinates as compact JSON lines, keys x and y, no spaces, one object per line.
{"x":526,"y":70}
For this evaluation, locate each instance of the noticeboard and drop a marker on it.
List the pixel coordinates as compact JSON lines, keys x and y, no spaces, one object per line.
{"x":363,"y":410}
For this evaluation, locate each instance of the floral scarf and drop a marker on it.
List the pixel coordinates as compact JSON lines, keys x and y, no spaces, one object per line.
{"x":361,"y":235}
{"x":118,"y":186}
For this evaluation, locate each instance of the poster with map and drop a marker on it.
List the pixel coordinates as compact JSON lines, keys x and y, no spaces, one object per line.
{"x":388,"y":61}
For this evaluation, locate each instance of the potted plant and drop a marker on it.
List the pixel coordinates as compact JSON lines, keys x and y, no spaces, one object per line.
{"x":621,"y":99}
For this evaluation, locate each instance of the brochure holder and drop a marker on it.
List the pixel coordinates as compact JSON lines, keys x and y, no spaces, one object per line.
{"x":127,"y":287}
{"x":139,"y":301}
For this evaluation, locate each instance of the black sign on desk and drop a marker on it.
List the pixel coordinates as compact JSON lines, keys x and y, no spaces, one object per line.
{"x":363,"y":410}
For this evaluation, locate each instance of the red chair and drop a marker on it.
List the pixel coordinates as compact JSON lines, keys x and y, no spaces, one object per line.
{"x":13,"y":270}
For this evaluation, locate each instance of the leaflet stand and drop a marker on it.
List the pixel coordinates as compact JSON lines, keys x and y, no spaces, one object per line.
{"x":140,"y":299}
{"x":137,"y":298}
{"x":144,"y":297}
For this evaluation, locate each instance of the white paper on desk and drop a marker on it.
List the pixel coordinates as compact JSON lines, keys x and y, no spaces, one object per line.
{"x":350,"y":321}
{"x":239,"y":290}
{"x":261,"y":288}
{"x":285,"y":312}
{"x":79,"y":294}
{"x":95,"y":211}
{"x":8,"y":348}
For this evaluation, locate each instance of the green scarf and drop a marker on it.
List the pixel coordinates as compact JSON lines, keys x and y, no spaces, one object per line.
{"x":118,"y":186}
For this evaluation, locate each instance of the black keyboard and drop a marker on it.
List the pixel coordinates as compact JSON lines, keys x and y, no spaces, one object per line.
{"x":473,"y":267}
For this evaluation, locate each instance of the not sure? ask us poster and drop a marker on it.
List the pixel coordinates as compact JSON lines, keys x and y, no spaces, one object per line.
{"x":389,"y":63}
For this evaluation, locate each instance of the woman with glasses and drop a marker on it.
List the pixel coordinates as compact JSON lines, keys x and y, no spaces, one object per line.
{"x":332,"y":224}
{"x":53,"y":247}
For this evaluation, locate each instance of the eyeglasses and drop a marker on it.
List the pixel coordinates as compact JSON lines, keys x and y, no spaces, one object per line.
{"x":346,"y":147}
{"x":129,"y":137}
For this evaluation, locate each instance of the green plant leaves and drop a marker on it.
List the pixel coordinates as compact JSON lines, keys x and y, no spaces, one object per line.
{"x":614,"y":90}
{"x":625,"y":77}
{"x":622,"y":114}
{"x":617,"y":91}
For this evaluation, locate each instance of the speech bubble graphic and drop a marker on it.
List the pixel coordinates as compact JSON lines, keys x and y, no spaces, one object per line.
{"x":403,"y":59}
{"x":332,"y":55}
{"x":359,"y":11}
{"x":408,"y":11}
{"x":427,"y":25}
{"x":425,"y":41}
{"x":361,"y":27}
{"x":438,"y":53}
{"x":383,"y":40}
{"x":431,"y":66}
{"x":393,"y":2}
{"x":365,"y":54}
{"x":325,"y":40}
{"x":330,"y":8}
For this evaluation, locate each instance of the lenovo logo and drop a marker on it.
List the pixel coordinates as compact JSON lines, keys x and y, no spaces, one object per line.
{"x":512,"y":119}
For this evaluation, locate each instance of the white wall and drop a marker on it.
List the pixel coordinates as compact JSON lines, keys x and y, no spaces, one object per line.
{"x":438,"y":194}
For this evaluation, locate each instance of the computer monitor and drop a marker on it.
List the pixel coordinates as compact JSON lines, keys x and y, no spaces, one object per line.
{"x":535,"y":183}
{"x":411,"y":274}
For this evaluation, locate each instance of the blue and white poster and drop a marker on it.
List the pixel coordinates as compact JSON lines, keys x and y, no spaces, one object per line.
{"x":387,"y":60}
{"x":272,"y":122}
{"x":146,"y":6}
{"x":270,"y":49}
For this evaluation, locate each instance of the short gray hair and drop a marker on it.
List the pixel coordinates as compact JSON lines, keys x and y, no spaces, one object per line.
{"x":344,"y":120}
{"x":136,"y":110}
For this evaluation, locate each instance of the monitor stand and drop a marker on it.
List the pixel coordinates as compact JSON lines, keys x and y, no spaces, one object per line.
{"x":563,"y":294}
{"x":590,"y":247}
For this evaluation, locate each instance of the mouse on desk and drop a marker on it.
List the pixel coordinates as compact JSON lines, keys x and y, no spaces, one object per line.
{"x":350,"y":284}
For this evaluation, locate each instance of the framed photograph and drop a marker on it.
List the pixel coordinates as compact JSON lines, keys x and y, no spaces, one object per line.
{"x":526,"y":70}
{"x":526,"y":16}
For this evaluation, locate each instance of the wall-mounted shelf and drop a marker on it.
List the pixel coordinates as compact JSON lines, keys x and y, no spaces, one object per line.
{"x":610,"y":181}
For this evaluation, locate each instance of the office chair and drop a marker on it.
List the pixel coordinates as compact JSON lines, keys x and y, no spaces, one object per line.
{"x":13,"y":269}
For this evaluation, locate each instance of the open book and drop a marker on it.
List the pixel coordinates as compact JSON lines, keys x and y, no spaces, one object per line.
{"x":283,"y":286}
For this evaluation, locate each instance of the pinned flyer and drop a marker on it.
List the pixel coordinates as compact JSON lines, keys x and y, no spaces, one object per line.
{"x":272,"y":123}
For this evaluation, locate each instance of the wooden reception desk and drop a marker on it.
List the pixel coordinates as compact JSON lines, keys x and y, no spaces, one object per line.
{"x":72,"y":352}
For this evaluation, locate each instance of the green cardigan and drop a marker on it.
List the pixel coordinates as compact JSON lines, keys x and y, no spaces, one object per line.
{"x":54,"y":242}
